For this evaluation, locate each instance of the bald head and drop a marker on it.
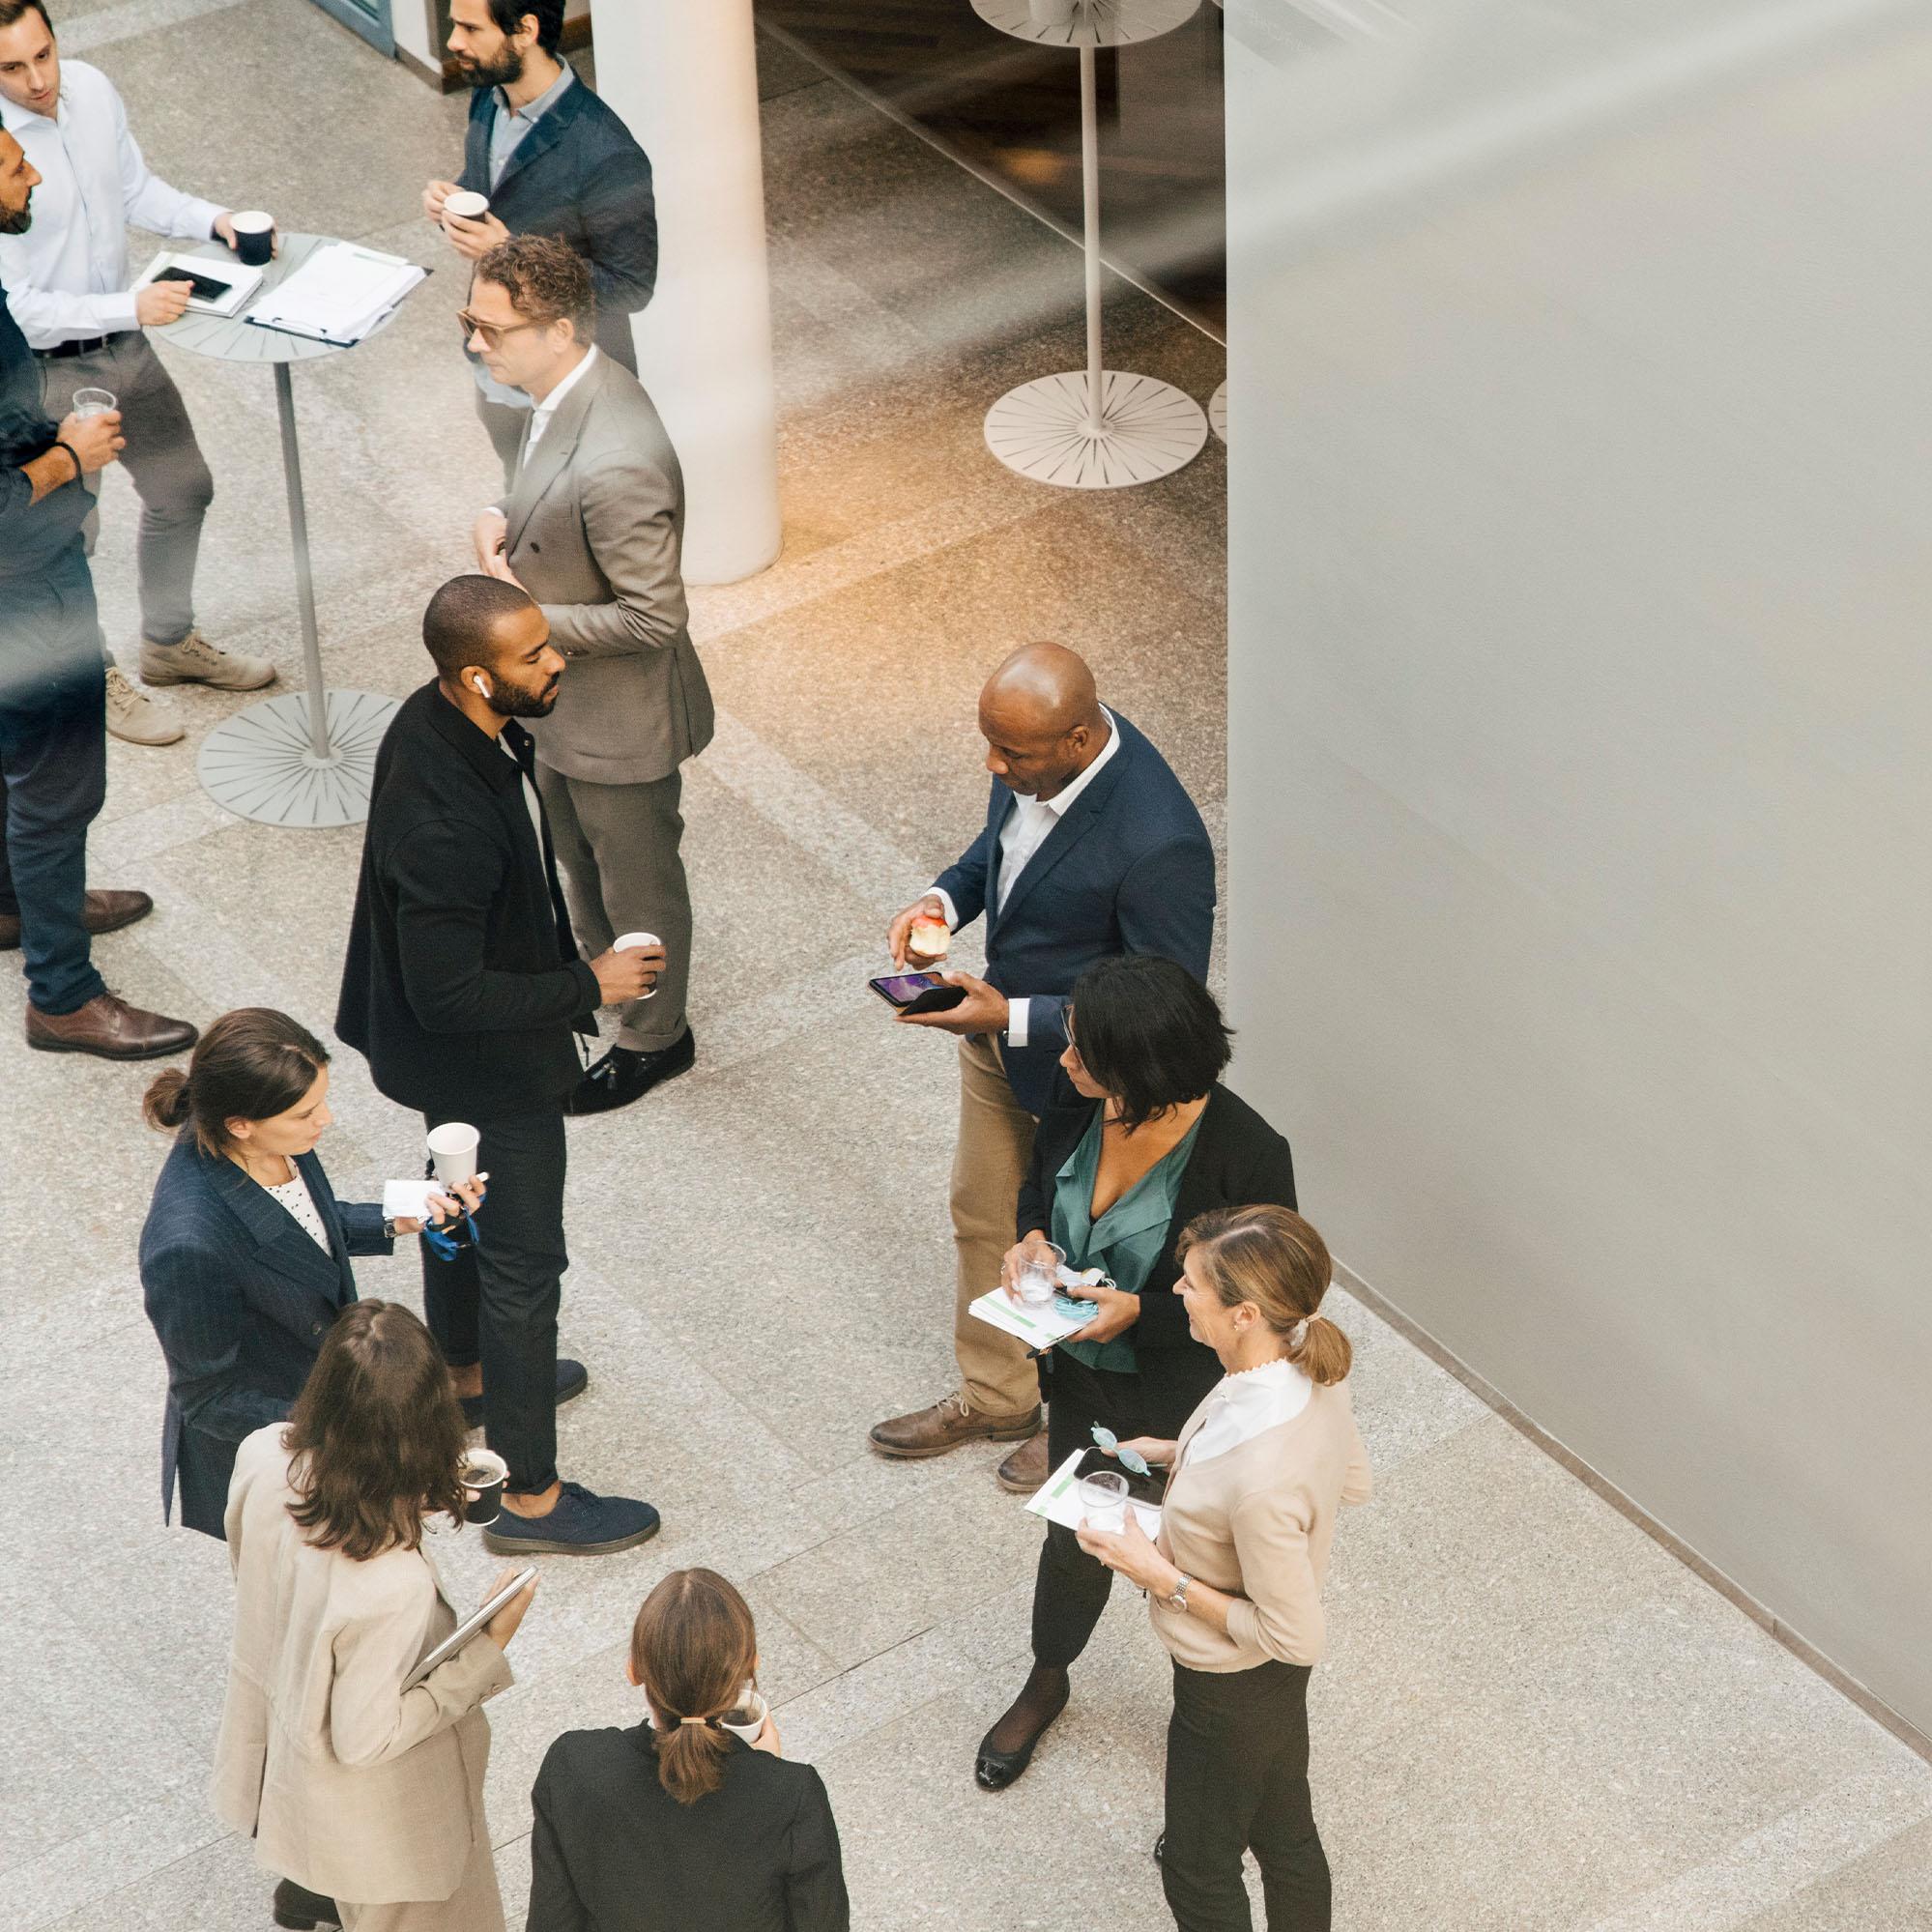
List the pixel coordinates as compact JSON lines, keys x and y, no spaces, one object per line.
{"x":1041,"y":717}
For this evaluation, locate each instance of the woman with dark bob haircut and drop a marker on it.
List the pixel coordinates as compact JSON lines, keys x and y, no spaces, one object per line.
{"x":368,"y":1796}
{"x":1151,"y":1139}
{"x":244,"y":1257}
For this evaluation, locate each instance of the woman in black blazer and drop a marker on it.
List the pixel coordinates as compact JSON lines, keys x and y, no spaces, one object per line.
{"x":244,"y":1256}
{"x":1150,"y":1139}
{"x":692,"y":1822}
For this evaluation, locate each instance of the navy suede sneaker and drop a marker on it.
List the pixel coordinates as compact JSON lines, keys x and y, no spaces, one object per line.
{"x":571,"y":1379}
{"x":580,"y":1525}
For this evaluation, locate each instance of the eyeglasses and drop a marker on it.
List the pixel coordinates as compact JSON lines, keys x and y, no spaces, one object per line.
{"x":493,"y":333}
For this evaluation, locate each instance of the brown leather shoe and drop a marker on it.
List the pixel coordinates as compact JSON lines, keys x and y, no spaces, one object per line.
{"x":105,"y":913}
{"x":110,"y":1027}
{"x":1025,"y":1469}
{"x":948,"y":1424}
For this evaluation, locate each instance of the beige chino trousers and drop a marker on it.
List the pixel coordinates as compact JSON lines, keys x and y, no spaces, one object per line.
{"x":995,"y":1142}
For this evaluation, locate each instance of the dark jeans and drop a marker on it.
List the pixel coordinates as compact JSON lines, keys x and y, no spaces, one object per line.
{"x":1070,"y":1588}
{"x":1237,"y":1778}
{"x":496,"y":1303}
{"x":53,"y":772}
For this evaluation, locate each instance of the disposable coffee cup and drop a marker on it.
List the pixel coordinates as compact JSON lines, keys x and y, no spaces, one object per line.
{"x":467,"y":204}
{"x":452,"y":1148}
{"x":254,"y":237}
{"x":747,"y":1719}
{"x":93,"y":402}
{"x":628,"y":942}
{"x":484,"y":1474}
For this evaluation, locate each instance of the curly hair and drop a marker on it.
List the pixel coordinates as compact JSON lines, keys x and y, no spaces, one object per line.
{"x":545,"y":280}
{"x":377,"y":1435}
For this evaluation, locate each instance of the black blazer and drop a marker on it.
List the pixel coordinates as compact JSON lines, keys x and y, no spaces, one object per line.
{"x":1128,"y":870}
{"x":579,"y":176}
{"x":612,"y":1851}
{"x":1238,"y":1161}
{"x":461,"y":984}
{"x":240,"y":1297}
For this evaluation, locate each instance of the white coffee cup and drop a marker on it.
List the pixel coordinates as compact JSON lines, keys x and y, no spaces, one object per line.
{"x":747,"y":1719}
{"x":630,"y":943}
{"x":452,"y":1147}
{"x":467,"y":204}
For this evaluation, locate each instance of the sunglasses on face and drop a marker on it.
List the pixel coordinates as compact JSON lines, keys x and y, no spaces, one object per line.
{"x":493,"y":333}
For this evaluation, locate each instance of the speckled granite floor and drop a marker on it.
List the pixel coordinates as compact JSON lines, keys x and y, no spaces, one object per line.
{"x":1531,"y":1717}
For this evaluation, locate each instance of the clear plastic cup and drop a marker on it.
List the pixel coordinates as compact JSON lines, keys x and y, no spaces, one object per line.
{"x":1102,"y":1499}
{"x":94,"y":402}
{"x":1038,"y":1281}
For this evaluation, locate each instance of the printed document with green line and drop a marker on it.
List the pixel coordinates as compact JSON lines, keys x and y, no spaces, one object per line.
{"x":1037,"y":1325}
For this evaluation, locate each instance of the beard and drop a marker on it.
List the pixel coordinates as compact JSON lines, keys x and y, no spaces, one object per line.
{"x":506,"y":71}
{"x":512,"y":701}
{"x":20,"y":221}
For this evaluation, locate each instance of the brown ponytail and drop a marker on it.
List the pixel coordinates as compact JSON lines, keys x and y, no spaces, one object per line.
{"x":164,"y":1105}
{"x":1272,"y":1257}
{"x":692,"y":1648}
{"x":250,"y":1064}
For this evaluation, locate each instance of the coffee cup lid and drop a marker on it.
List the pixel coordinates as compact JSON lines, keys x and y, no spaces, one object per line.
{"x":253,"y":218}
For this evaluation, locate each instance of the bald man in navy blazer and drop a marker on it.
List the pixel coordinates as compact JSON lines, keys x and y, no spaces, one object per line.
{"x":1090,"y":848}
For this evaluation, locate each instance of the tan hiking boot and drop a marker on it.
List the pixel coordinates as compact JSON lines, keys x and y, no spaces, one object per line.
{"x":197,"y":661}
{"x":133,"y":717}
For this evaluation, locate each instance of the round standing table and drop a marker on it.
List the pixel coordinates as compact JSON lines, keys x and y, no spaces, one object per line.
{"x":1216,"y":412}
{"x":1097,"y":430}
{"x":306,"y":758}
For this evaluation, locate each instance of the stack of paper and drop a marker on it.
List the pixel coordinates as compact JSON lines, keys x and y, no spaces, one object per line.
{"x":339,"y":295}
{"x":1038,"y":1326}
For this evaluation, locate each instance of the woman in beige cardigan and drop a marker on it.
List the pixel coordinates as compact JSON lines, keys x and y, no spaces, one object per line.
{"x":354,"y":1787}
{"x":1234,"y":1578}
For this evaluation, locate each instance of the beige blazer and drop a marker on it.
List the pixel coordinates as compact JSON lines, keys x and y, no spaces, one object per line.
{"x":350,"y":1785}
{"x":595,"y":528}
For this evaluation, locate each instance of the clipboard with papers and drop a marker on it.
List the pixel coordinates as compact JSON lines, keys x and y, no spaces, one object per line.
{"x":340,"y":295}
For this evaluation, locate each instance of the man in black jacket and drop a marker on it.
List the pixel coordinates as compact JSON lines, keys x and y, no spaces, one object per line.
{"x":465,"y":990}
{"x":553,"y":160}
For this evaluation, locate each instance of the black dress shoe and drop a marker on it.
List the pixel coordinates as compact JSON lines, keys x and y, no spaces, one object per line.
{"x":622,"y":1076}
{"x":993,"y":1769}
{"x":571,"y":1377}
{"x":302,"y":1910}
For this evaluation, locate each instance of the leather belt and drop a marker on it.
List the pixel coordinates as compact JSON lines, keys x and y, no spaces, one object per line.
{"x":86,"y":346}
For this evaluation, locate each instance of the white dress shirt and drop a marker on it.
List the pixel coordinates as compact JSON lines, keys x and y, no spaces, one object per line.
{"x":530,"y":798}
{"x":66,"y":277}
{"x":541,"y":413}
{"x":1023,"y":833}
{"x":1246,"y":1403}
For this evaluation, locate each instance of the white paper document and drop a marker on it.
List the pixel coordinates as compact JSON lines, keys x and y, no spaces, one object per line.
{"x":1037,"y":1326}
{"x":238,"y":280}
{"x":1058,"y":1500}
{"x":408,"y":1200}
{"x":339,"y":295}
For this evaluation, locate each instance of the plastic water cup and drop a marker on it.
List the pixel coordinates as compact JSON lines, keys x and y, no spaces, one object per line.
{"x":452,"y":1148}
{"x":1102,"y":1499}
{"x":94,"y":402}
{"x":1039,"y":1281}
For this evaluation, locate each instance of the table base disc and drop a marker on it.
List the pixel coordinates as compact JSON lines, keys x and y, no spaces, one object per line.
{"x":260,"y":764}
{"x":1216,"y":412}
{"x":1148,"y":429}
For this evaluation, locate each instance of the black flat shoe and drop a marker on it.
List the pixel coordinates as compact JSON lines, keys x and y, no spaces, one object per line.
{"x":303,"y":1911}
{"x":1160,"y":1848}
{"x":993,"y":1769}
{"x":571,"y":1380}
{"x":622,"y":1076}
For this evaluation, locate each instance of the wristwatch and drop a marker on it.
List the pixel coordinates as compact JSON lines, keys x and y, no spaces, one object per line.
{"x":1179,"y":1599}
{"x":390,"y":1231}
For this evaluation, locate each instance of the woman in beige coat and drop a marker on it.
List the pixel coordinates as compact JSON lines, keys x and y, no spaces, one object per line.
{"x":351,"y":1785}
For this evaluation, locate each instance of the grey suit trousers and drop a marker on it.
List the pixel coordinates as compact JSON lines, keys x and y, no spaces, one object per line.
{"x":618,"y":846}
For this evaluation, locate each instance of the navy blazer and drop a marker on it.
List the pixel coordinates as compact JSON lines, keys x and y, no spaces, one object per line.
{"x":579,"y":175}
{"x":240,"y":1297}
{"x":1128,"y":870}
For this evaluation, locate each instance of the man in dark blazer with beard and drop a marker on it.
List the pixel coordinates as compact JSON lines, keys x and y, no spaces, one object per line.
{"x":464,"y":988}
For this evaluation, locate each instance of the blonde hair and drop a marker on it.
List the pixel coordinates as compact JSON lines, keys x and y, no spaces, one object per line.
{"x":1270,"y":1257}
{"x":693,"y":1648}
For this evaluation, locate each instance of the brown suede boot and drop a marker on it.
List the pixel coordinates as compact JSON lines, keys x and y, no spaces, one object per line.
{"x":946,"y":1425}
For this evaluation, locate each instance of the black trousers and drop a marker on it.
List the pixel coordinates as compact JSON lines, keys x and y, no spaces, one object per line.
{"x":1237,"y":1778}
{"x":53,"y":772}
{"x":496,"y":1303}
{"x":1070,"y":1587}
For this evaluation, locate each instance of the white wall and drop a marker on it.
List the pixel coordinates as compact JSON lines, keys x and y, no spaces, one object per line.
{"x":1581,"y":746}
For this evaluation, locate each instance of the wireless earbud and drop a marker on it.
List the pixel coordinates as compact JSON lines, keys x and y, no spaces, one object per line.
{"x":476,"y":679}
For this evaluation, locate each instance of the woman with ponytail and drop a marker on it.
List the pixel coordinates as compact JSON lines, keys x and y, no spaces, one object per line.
{"x":1233,"y":1580}
{"x":692,"y":1821}
{"x":244,"y":1257}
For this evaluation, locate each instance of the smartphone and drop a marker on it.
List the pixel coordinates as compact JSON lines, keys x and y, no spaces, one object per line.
{"x":1150,"y":1490}
{"x":917,"y":992}
{"x":210,"y":288}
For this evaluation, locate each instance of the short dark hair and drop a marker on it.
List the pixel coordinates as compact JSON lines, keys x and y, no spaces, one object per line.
{"x":1149,"y":1033}
{"x":17,"y":9}
{"x":545,"y":280}
{"x":509,"y":16}
{"x":459,"y":625}
{"x":250,"y":1064}
{"x":376,"y":1437}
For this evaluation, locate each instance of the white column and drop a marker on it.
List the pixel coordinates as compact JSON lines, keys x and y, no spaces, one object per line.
{"x":683,"y":74}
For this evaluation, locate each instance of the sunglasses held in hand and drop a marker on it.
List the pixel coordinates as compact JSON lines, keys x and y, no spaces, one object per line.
{"x":1130,"y":1458}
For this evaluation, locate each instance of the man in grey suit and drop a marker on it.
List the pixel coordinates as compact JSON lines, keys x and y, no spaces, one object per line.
{"x":590,"y":527}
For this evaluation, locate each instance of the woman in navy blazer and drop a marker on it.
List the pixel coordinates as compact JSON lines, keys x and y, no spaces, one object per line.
{"x":244,"y":1257}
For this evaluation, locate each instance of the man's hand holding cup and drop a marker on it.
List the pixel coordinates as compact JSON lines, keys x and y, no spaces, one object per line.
{"x":630,"y":970}
{"x":96,"y":438}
